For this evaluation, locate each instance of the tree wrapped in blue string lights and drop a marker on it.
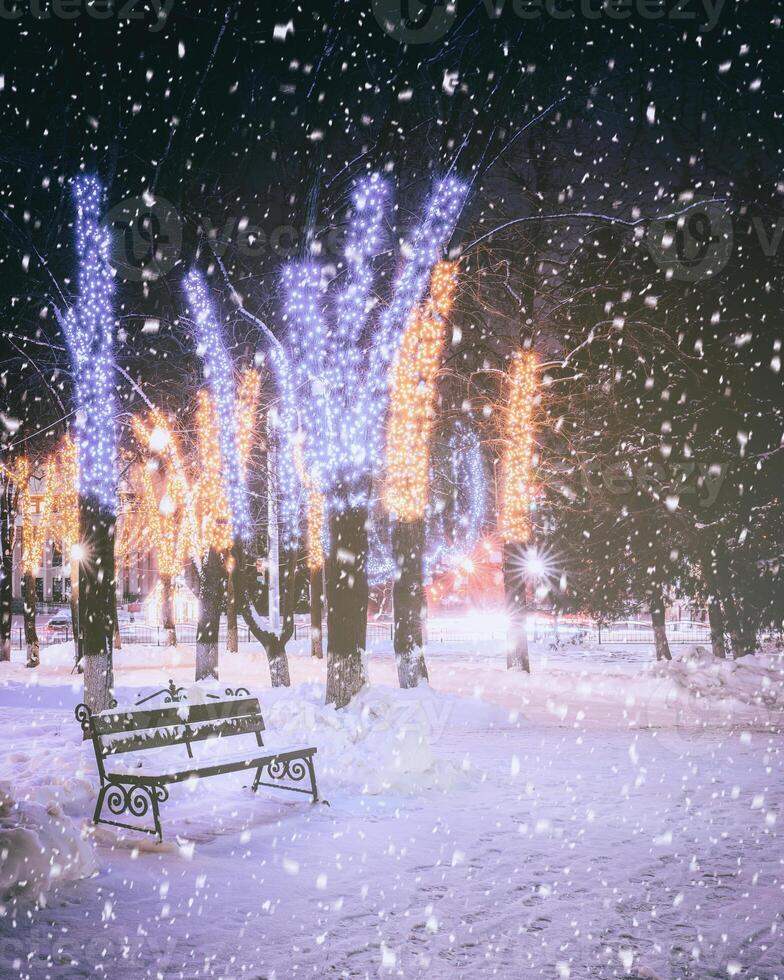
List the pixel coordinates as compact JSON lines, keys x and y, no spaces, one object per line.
{"x":333,"y":373}
{"x":88,"y":327}
{"x":219,"y":373}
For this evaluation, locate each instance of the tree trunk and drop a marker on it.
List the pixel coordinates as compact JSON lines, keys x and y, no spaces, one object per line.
{"x":274,"y":644}
{"x":408,"y":547}
{"x":316,"y":587}
{"x":347,"y":599}
{"x":232,"y":630}
{"x":659,"y":629}
{"x":31,"y":636}
{"x":167,"y":611}
{"x":116,"y":623}
{"x":77,"y":639}
{"x":96,"y":603}
{"x":7,"y":530}
{"x":211,"y":591}
{"x":715,"y":614}
{"x":278,"y":661}
{"x":516,"y":607}
{"x":716,"y":621}
{"x":733,"y":625}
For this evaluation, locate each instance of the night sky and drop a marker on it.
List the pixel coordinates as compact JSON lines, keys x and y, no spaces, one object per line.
{"x":241,"y":130}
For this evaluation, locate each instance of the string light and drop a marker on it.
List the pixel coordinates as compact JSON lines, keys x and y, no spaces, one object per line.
{"x":315,"y":530}
{"x":163,"y":520}
{"x":315,"y":510}
{"x":33,"y":532}
{"x":219,"y":374}
{"x":517,"y":486}
{"x":413,"y":389}
{"x":157,"y":436}
{"x":89,"y":331}
{"x":468,"y":481}
{"x":212,"y":507}
{"x":248,"y":391}
{"x":339,"y":364}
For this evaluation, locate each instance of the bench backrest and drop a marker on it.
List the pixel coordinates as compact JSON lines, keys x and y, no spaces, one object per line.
{"x":129,"y":730}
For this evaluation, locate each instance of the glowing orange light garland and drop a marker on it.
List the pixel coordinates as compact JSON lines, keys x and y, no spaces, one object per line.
{"x":412,"y":399}
{"x":158,"y":437}
{"x":33,"y":532}
{"x":162,"y":517}
{"x":517,"y":485}
{"x":65,"y":518}
{"x":247,"y":405}
{"x":315,"y":512}
{"x":212,"y":505}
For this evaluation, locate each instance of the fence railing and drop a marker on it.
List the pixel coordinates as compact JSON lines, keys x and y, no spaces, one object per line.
{"x":539,"y":630}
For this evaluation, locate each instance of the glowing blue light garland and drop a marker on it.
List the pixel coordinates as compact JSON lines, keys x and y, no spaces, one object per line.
{"x":220,"y":377}
{"x":89,"y":332}
{"x":338,"y":365}
{"x":469,"y":502}
{"x":289,"y":482}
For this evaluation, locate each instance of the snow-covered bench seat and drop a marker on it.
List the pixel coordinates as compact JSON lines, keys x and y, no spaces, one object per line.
{"x":136,"y":784}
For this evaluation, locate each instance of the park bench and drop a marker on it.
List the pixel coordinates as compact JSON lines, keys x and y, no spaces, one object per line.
{"x":136,"y":786}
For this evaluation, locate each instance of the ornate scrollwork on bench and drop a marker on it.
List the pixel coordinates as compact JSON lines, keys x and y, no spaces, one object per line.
{"x":294,"y":769}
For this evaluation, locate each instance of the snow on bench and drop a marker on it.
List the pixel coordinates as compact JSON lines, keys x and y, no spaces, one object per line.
{"x":137,"y":784}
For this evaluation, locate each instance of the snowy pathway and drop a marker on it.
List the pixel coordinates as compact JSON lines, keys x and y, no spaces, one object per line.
{"x":549,"y":852}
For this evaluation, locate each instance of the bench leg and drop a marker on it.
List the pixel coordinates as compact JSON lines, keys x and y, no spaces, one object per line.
{"x":257,"y":779}
{"x":133,"y":800}
{"x":312,"y":771}
{"x":99,"y":804}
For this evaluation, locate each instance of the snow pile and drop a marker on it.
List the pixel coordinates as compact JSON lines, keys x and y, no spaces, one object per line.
{"x":382,"y":742}
{"x":39,"y":847}
{"x":698,"y":693}
{"x":755,"y":680}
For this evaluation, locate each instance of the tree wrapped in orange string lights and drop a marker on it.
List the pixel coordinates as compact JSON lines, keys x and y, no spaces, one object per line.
{"x":166,"y":509}
{"x":63,"y":523}
{"x":162,"y":510}
{"x":517,"y":494}
{"x":34,"y":522}
{"x":412,"y":411}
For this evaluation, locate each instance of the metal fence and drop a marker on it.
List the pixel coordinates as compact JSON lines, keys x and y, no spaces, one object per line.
{"x":564,"y":633}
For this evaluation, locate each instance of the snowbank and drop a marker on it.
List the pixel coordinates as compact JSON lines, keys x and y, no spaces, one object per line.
{"x":757,"y":680}
{"x":39,"y":847}
{"x":383,"y":742}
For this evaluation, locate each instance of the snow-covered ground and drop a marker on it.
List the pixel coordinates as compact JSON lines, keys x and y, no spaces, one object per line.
{"x":604,"y":817}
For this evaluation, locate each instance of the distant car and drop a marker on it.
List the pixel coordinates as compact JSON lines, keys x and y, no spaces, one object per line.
{"x":58,"y":625}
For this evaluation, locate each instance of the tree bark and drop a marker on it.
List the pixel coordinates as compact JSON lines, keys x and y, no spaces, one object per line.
{"x":515,"y":590}
{"x":408,"y":546}
{"x":716,"y":622}
{"x":347,"y":599}
{"x":316,"y":589}
{"x":116,"y":623}
{"x":232,"y":629}
{"x":734,"y":627}
{"x":715,"y":614}
{"x":31,"y":635}
{"x":7,"y":534}
{"x":77,"y":639}
{"x":96,"y":603}
{"x":167,"y":611}
{"x":659,"y":629}
{"x":274,"y":644}
{"x":210,"y":594}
